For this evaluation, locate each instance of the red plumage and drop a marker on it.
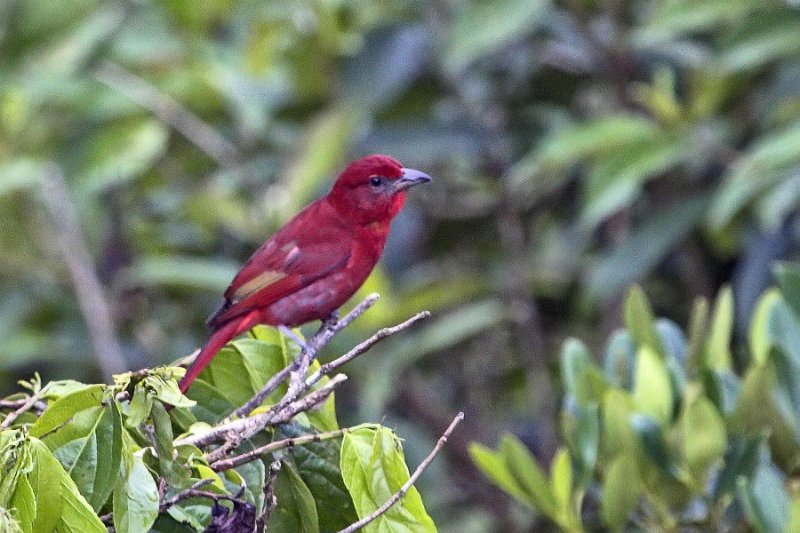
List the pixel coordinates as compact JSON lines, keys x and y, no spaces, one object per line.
{"x":317,"y":260}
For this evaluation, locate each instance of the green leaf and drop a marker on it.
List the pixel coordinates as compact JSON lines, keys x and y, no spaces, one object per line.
{"x":704,"y":435}
{"x":640,"y":322}
{"x":373,"y":469}
{"x":580,"y":376}
{"x":493,"y":466}
{"x":764,"y":498}
{"x":620,"y":359}
{"x":615,"y":180}
{"x":770,"y":158}
{"x":62,"y":410}
{"x":482,"y":29}
{"x":621,"y":490}
{"x":598,"y":136}
{"x":788,"y":276}
{"x":618,"y":435}
{"x":318,"y":465}
{"x":120,"y":153}
{"x":135,"y":498}
{"x":718,"y":353}
{"x":296,"y":511}
{"x":88,"y":443}
{"x":24,"y":505}
{"x":162,"y":426}
{"x":561,"y":482}
{"x":60,"y":506}
{"x":760,"y":342}
{"x":652,"y":386}
{"x":654,"y":445}
{"x":523,"y":468}
{"x":178,"y":272}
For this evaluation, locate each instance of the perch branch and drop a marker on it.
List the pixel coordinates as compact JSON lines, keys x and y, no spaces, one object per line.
{"x":322,"y":337}
{"x":252,"y":425}
{"x":397,"y":496}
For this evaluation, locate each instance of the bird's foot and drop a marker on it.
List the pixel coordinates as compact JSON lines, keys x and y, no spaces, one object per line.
{"x":331,"y":320}
{"x":292,"y":335}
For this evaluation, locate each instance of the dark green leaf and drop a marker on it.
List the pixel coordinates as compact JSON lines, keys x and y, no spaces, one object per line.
{"x":296,"y":511}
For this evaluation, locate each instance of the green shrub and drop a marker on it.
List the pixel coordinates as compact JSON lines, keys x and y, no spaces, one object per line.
{"x":668,"y":429}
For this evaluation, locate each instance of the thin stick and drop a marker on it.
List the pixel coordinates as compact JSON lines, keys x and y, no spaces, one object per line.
{"x":9,"y":419}
{"x":365,"y":345}
{"x":290,"y":442}
{"x":169,"y":111}
{"x":91,"y":300}
{"x":397,"y":496}
{"x":270,"y":500}
{"x":247,"y":427}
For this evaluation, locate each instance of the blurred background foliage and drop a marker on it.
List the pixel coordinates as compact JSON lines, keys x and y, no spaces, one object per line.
{"x":577,"y":146}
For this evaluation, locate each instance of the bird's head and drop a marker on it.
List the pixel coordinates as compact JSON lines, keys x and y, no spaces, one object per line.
{"x":373,"y":188}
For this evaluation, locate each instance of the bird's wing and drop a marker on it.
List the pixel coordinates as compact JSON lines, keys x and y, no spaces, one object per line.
{"x":277,"y":269}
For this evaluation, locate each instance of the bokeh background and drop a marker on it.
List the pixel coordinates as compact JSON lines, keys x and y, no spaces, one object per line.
{"x":148,"y":147}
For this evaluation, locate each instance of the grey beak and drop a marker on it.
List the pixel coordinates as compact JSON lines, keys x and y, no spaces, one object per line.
{"x":410,"y":178}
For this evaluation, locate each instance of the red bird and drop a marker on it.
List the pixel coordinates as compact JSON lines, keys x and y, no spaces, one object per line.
{"x":318,"y":260}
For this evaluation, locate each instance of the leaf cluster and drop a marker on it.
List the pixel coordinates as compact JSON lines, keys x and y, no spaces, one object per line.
{"x":669,"y":431}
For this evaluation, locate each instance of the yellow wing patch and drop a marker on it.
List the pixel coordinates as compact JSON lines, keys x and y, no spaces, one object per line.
{"x":264,"y":279}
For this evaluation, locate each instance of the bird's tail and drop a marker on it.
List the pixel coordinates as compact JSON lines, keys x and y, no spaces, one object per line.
{"x":218,"y":339}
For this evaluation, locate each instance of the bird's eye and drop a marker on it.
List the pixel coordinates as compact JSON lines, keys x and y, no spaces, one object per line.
{"x":376,"y":181}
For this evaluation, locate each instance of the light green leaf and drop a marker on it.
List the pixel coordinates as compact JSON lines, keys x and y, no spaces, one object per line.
{"x":373,"y":469}
{"x":60,"y":506}
{"x":652,"y":389}
{"x":561,"y":483}
{"x":704,"y":435}
{"x":621,"y":490}
{"x":524,"y":469}
{"x":135,"y":498}
{"x":594,"y":137}
{"x":494,"y":467}
{"x":760,"y":342}
{"x":718,"y":353}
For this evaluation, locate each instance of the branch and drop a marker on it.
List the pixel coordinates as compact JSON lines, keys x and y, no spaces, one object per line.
{"x":397,"y":496}
{"x":270,"y":500}
{"x":321,"y":338}
{"x":169,"y":111}
{"x":233,"y":462}
{"x":365,"y":345}
{"x":26,"y":405}
{"x":247,"y":427}
{"x":91,"y":300}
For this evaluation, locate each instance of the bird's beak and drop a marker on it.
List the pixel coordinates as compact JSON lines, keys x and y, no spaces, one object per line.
{"x":410,"y":178}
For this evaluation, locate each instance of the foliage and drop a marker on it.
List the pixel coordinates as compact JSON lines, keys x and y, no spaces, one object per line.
{"x":93,"y":456}
{"x":664,"y":434}
{"x":576,"y":147}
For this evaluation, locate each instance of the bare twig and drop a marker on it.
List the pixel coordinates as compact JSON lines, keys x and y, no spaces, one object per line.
{"x":168,"y":110}
{"x":28,"y":403}
{"x":233,"y":462}
{"x":92,"y":302}
{"x":270,"y":501}
{"x":397,"y":496}
{"x":363,"y":346}
{"x":322,"y":337}
{"x":247,"y":427}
